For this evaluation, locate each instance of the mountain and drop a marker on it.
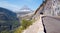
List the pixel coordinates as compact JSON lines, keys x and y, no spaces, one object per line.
{"x":24,"y":10}
{"x":8,"y":19}
{"x":8,"y":13}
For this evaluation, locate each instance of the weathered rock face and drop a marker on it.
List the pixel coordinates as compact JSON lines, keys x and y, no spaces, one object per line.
{"x":52,"y":7}
{"x":8,"y":19}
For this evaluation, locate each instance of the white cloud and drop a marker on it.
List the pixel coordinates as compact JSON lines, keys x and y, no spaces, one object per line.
{"x":7,"y":5}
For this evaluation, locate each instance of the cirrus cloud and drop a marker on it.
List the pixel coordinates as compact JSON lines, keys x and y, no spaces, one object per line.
{"x":7,"y":5}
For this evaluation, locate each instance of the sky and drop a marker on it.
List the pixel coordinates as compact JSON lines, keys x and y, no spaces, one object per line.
{"x":15,"y":5}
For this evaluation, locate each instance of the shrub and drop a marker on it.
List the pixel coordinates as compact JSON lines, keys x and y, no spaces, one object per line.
{"x":5,"y":31}
{"x":25,"y":23}
{"x":18,"y":30}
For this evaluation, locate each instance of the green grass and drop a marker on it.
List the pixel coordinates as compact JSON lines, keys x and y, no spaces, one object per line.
{"x":24,"y":24}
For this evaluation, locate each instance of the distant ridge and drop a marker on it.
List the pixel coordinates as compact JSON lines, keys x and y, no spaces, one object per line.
{"x":8,"y":19}
{"x":24,"y":10}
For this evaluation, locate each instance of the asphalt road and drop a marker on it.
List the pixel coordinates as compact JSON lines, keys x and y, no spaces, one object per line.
{"x":52,"y":25}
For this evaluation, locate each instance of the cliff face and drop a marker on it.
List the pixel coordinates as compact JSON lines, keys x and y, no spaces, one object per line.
{"x":8,"y":19}
{"x":52,"y":8}
{"x":49,"y":7}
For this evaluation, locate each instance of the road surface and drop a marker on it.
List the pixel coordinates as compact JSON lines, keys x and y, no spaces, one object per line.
{"x":52,"y":25}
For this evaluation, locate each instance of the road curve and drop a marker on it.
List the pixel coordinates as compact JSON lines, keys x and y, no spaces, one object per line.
{"x":52,"y":25}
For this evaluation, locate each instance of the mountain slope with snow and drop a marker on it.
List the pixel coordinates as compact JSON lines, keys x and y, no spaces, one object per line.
{"x":23,"y":11}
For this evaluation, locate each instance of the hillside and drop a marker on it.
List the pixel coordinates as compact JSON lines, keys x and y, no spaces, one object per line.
{"x":8,"y":20}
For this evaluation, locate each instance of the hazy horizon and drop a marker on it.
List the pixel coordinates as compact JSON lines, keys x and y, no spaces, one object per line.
{"x":18,"y":4}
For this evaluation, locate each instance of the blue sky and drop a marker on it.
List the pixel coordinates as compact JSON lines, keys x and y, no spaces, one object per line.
{"x":17,"y":4}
